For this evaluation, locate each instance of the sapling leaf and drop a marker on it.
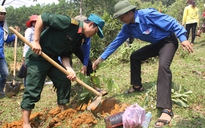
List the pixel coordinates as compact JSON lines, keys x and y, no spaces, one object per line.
{"x":189,"y":92}
{"x":96,"y":81}
{"x":180,"y":102}
{"x":146,"y":99}
{"x":184,"y":99}
{"x":110,"y":84}
{"x":84,"y":94}
{"x":116,"y":86}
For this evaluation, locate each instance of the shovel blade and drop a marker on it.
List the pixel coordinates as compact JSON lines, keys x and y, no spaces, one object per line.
{"x":93,"y":105}
{"x":12,"y":90}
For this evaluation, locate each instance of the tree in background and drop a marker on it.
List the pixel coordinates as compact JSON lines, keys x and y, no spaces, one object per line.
{"x":104,"y":8}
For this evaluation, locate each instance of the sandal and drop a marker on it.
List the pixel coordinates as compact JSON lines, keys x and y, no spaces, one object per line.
{"x":133,"y":89}
{"x":164,"y":121}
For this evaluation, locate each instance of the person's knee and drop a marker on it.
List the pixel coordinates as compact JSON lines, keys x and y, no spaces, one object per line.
{"x":5,"y":74}
{"x":163,"y":66}
{"x":64,"y":86}
{"x":134,"y":57}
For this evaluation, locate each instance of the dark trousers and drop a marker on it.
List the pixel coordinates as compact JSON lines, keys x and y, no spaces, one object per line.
{"x":165,"y":49}
{"x":193,"y":30}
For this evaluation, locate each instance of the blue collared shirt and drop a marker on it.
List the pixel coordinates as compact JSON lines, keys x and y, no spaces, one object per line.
{"x":86,"y":50}
{"x":9,"y":39}
{"x":150,"y":26}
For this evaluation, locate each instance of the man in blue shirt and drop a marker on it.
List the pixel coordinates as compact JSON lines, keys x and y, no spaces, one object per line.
{"x":162,"y":32}
{"x":82,"y":53}
{"x":4,"y":37}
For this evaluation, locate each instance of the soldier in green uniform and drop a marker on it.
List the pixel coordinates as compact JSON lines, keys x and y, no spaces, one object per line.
{"x":60,"y":38}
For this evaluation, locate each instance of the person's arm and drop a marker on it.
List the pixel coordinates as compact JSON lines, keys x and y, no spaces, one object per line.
{"x":169,"y":24}
{"x":172,"y":25}
{"x":66,"y":64}
{"x":119,"y":40}
{"x":28,"y":37}
{"x":10,"y":38}
{"x":86,"y":55}
{"x":86,"y":51}
{"x":37,"y":32}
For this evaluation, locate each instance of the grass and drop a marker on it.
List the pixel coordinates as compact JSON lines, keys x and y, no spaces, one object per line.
{"x":188,"y":72}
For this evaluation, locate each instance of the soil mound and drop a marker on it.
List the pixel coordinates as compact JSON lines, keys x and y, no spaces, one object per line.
{"x":72,"y":117}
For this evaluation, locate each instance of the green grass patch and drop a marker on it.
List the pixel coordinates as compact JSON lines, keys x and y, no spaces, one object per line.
{"x":188,"y":75}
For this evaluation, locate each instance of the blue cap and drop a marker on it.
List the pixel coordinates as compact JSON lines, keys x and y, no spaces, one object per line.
{"x":99,"y":22}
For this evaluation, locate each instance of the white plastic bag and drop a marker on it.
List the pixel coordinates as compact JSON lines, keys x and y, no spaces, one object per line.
{"x":133,"y":116}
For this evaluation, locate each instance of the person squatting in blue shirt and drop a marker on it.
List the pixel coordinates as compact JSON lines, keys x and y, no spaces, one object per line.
{"x":161,"y":31}
{"x":83,"y":53}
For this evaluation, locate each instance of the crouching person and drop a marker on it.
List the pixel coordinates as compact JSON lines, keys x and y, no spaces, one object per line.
{"x":60,"y":38}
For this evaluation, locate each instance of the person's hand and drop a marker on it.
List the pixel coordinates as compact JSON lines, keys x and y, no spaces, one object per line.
{"x":72,"y":74}
{"x":95,"y":64}
{"x":17,"y":28}
{"x":84,"y":70}
{"x":36,"y":48}
{"x":186,"y":45}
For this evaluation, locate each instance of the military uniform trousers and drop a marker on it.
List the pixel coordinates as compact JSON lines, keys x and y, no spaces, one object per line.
{"x":37,"y":70}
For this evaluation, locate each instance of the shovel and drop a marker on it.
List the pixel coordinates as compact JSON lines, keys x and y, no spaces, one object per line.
{"x":97,"y":100}
{"x":12,"y":88}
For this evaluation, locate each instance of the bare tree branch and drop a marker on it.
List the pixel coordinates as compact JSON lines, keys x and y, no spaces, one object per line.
{"x":3,"y":2}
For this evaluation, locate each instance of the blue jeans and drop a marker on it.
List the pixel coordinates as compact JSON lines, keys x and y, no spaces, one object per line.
{"x":4,"y":72}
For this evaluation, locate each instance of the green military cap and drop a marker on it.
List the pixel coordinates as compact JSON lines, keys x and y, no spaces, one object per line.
{"x":122,"y":7}
{"x":99,"y":22}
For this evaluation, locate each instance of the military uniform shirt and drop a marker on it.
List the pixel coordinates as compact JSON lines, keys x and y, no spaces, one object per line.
{"x":61,"y":37}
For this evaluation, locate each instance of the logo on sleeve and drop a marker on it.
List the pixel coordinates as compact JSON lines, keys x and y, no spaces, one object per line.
{"x":75,"y":22}
{"x":147,"y":31}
